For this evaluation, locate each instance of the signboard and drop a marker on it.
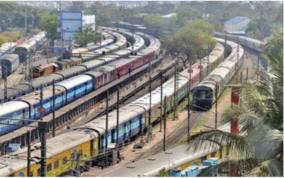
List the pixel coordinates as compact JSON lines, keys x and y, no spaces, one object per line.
{"x":70,"y":23}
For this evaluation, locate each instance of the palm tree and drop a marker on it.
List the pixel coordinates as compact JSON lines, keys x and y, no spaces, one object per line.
{"x":258,"y":149}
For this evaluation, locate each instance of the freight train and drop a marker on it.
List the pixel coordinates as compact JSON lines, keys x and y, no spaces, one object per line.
{"x":88,"y":141}
{"x":206,"y":92}
{"x":70,"y":89}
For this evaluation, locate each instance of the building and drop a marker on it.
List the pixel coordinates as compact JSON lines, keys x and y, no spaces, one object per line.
{"x":237,"y":25}
{"x":70,"y":23}
{"x":89,"y":21}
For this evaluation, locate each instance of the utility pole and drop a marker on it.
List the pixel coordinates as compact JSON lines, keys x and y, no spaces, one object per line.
{"x":42,"y":130}
{"x":216,"y":104}
{"x":247,"y":71}
{"x":106,"y":132}
{"x":41,"y":101}
{"x":165,"y":123}
{"x":28,"y":153}
{"x":117,"y":115}
{"x":188,"y":102}
{"x":257,"y":72}
{"x":150,"y":91}
{"x":225,"y":53}
{"x":200,"y":69}
{"x":4,"y":72}
{"x":175,"y":90}
{"x":53,"y":108}
{"x":161,"y":100}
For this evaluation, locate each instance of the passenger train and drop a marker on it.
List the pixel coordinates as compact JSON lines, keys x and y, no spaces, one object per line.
{"x":26,"y":87}
{"x":9,"y":63}
{"x":251,"y":43}
{"x":30,"y":45}
{"x":88,"y":141}
{"x":7,"y":48}
{"x":75,"y":87}
{"x":204,"y":94}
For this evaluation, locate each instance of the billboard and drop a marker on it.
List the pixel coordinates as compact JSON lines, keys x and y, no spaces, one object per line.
{"x":70,"y":23}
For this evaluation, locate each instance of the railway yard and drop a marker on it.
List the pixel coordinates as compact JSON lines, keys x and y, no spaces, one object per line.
{"x":125,"y":105}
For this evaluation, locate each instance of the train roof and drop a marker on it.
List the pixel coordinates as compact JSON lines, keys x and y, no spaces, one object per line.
{"x":109,"y":58}
{"x":93,"y":63}
{"x":54,"y":146}
{"x":7,"y":46}
{"x":74,"y":81}
{"x":71,"y":71}
{"x":106,"y":68}
{"x":124,"y":115}
{"x":16,"y":90}
{"x":12,"y":106}
{"x":9,"y":58}
{"x":94,"y":73}
{"x":34,"y":97}
{"x":46,"y":80}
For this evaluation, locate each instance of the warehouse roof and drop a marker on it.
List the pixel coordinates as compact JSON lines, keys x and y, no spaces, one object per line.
{"x":236,"y":20}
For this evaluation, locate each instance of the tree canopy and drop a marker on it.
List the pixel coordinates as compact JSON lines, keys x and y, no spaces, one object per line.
{"x":260,"y":146}
{"x":191,"y":41}
{"x":48,"y":22}
{"x":85,"y":37}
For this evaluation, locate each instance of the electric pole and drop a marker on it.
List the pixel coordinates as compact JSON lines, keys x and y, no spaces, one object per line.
{"x":53,"y":108}
{"x":216,"y":104}
{"x":150,"y":91}
{"x":117,"y":115}
{"x":28,"y":153}
{"x":188,"y":102}
{"x":165,"y":123}
{"x":106,"y":131}
{"x":161,"y":100}
{"x":175,"y":89}
{"x":42,"y":130}
{"x":4,"y":73}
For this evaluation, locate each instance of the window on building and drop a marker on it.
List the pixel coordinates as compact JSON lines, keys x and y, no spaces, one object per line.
{"x":48,"y":167}
{"x":38,"y":172}
{"x":64,"y":161}
{"x":56,"y":164}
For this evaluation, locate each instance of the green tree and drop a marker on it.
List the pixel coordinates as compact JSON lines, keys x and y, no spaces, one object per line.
{"x":156,"y":23}
{"x":260,"y":146}
{"x":85,"y":37}
{"x":190,"y":42}
{"x":48,"y":22}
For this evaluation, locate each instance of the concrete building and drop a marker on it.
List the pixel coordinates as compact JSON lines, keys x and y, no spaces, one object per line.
{"x":89,"y":21}
{"x":237,"y":25}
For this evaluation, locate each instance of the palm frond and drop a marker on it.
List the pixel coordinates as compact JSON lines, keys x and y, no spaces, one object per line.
{"x":213,"y":139}
{"x":269,"y":168}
